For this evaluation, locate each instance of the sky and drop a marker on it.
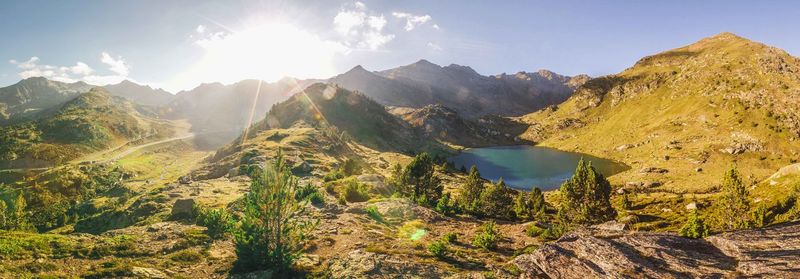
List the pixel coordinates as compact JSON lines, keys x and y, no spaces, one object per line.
{"x":177,"y":45}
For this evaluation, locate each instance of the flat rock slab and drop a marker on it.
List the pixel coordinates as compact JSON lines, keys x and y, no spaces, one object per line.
{"x":602,"y":253}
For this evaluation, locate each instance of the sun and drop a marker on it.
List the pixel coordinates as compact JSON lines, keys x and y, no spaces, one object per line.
{"x":268,"y":51}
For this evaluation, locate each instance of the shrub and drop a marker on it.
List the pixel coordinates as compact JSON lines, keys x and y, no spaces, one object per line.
{"x":625,"y":202}
{"x":497,"y":201}
{"x":733,"y":208}
{"x":310,"y":193}
{"x":217,"y":221}
{"x":354,"y":191}
{"x":350,"y":167}
{"x":186,"y":256}
{"x":531,"y":205}
{"x":695,"y":227}
{"x":450,"y":237}
{"x":372,"y":212}
{"x":553,"y":232}
{"x":585,"y":197}
{"x":487,"y":237}
{"x":438,"y":249}
{"x":446,"y":205}
{"x":271,"y":233}
{"x":333,"y":175}
{"x":760,"y":216}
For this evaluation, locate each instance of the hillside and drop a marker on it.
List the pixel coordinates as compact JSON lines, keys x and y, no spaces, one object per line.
{"x":461,"y":88}
{"x":28,"y":97}
{"x":90,"y":122}
{"x":688,"y":113}
{"x":140,"y":94}
{"x":446,"y":125}
{"x":225,"y":110}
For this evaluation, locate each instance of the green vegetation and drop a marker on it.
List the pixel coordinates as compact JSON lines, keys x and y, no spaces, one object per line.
{"x":497,"y":201}
{"x":450,"y":237}
{"x":733,"y":204}
{"x":585,"y":198}
{"x":695,"y":227}
{"x":438,"y":249}
{"x":412,"y":230}
{"x":487,"y":237}
{"x":271,"y":232}
{"x":217,"y":220}
{"x":372,"y":212}
{"x":446,"y":205}
{"x":419,"y":182}
{"x":310,"y":193}
{"x":354,"y":191}
{"x":470,"y":192}
{"x":531,"y":205}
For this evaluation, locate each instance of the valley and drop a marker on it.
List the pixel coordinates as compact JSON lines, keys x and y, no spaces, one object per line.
{"x":622,"y":176}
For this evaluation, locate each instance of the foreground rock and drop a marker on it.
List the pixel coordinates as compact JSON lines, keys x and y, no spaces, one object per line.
{"x":602,"y":253}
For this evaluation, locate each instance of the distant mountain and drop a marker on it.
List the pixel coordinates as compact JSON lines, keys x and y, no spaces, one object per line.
{"x":141,"y":94}
{"x":461,"y":88}
{"x":92,"y":121}
{"x":28,"y":97}
{"x":692,"y":111}
{"x":227,"y":109}
{"x":446,"y":125}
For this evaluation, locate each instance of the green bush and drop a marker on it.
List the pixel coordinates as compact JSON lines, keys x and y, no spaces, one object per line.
{"x":217,"y":220}
{"x":333,"y":175}
{"x":354,"y":191}
{"x":446,"y":205}
{"x":733,"y":205}
{"x":450,"y":237}
{"x":529,"y":206}
{"x":695,"y":227}
{"x":487,"y":237}
{"x":310,"y":193}
{"x":418,"y":180}
{"x":372,"y":212}
{"x":553,"y":232}
{"x":186,"y":256}
{"x":271,"y":234}
{"x":438,"y":249}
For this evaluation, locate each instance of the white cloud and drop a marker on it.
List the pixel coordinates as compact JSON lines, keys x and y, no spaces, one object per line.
{"x":117,"y":65}
{"x":434,"y":46}
{"x":412,"y":21}
{"x":81,"y":68}
{"x":78,"y":72}
{"x":200,"y":29}
{"x":360,"y":28}
{"x":436,"y":26}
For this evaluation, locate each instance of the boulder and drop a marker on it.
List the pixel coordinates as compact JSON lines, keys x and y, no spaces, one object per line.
{"x":362,"y":264}
{"x":653,"y":170}
{"x":145,"y":272}
{"x":183,"y":208}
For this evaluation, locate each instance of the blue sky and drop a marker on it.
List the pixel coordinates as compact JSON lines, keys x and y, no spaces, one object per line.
{"x":179,"y":44}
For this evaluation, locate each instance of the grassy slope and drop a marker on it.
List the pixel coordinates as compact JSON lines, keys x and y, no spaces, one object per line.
{"x":687,"y":104}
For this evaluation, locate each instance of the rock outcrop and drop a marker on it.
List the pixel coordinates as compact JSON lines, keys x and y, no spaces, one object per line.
{"x":772,"y":252}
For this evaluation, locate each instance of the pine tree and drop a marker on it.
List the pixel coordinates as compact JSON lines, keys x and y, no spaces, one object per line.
{"x":272,"y":231}
{"x":470,"y":192}
{"x":733,"y":207}
{"x":585,"y":198}
{"x":497,"y":201}
{"x":420,"y":181}
{"x":695,"y":227}
{"x":529,"y":206}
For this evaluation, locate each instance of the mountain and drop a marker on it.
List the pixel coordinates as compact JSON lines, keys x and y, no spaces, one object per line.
{"x":446,"y":125}
{"x":141,"y":94}
{"x":92,"y":121}
{"x":460,"y":87}
{"x":228,"y":109}
{"x":30,"y":96}
{"x":690,"y":113}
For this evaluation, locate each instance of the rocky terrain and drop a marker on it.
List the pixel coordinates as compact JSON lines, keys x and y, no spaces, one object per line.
{"x":605,"y":251}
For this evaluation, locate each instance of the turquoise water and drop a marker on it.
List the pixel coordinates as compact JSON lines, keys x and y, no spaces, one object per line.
{"x":523,"y":166}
